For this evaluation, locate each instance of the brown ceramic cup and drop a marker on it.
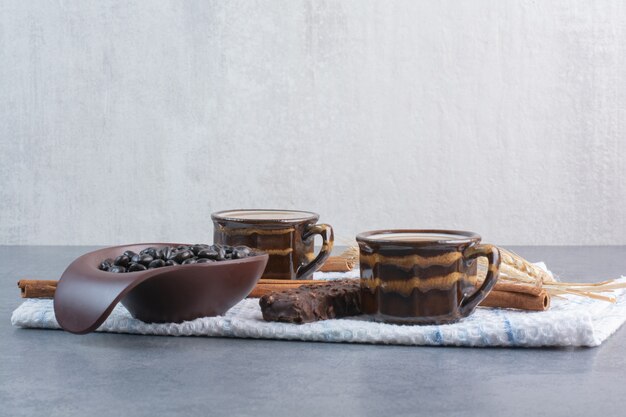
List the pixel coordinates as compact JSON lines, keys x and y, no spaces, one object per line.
{"x":287,"y":236}
{"x":423,"y":276}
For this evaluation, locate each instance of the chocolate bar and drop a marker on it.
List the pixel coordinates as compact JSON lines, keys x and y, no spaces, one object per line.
{"x":309,"y":303}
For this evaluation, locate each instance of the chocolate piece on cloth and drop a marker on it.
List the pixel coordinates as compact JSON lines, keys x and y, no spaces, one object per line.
{"x":310,"y":303}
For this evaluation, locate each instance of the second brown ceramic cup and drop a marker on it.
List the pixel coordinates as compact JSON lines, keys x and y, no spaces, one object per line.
{"x":287,"y":236}
{"x":423,"y":276}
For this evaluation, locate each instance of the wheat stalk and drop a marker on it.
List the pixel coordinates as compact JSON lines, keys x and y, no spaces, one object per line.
{"x":516,"y":269}
{"x":351,"y":254}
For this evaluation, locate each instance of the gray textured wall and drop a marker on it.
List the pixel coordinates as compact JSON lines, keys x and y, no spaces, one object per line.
{"x":132,"y":122}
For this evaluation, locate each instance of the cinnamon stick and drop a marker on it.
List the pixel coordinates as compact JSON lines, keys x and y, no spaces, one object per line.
{"x":32,"y":288}
{"x":337,"y":264}
{"x":503,"y":295}
{"x":518,"y":288}
{"x":266,"y":286}
{"x":517,"y":300}
{"x":518,"y":296}
{"x":37,"y":288}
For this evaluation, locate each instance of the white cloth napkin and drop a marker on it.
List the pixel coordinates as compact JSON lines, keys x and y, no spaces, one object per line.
{"x":571,"y":321}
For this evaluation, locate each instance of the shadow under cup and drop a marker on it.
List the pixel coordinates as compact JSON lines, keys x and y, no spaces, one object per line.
{"x":423,"y":276}
{"x":287,"y":236}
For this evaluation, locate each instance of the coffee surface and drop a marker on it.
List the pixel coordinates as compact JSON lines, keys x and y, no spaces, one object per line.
{"x":416,"y":237}
{"x":266,"y":214}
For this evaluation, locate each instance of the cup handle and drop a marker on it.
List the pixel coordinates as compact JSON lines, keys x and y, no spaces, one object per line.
{"x":326,"y":232}
{"x":468,"y":304}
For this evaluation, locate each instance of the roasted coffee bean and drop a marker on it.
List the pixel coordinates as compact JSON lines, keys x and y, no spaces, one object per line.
{"x":145,"y":259}
{"x":152,"y":257}
{"x":122,"y":260}
{"x":240,"y":252}
{"x":221,"y":253}
{"x":183,"y":255}
{"x":106,"y":264}
{"x":165,"y":253}
{"x":157,"y":263}
{"x":134,"y":267}
{"x":204,"y":261}
{"x":208,"y":254}
{"x":152,"y":251}
{"x":197,"y":248}
{"x":244,"y":249}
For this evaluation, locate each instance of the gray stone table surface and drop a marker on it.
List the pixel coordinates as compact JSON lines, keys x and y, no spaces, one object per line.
{"x":54,"y":373}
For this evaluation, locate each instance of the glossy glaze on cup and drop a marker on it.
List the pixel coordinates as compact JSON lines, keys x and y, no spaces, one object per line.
{"x":428,"y":281}
{"x":287,"y":236}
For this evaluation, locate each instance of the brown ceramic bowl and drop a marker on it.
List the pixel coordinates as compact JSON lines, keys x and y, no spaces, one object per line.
{"x":85,"y":295}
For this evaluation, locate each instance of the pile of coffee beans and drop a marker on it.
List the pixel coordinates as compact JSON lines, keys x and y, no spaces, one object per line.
{"x":151,"y":258}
